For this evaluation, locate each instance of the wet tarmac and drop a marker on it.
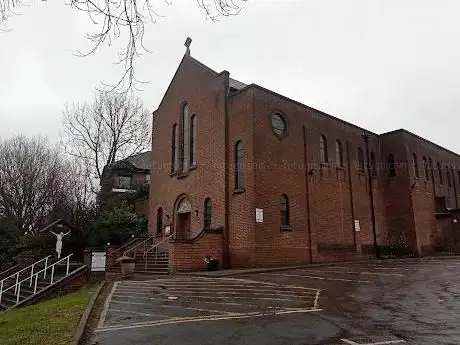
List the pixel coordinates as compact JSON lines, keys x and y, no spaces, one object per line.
{"x":396,"y":302}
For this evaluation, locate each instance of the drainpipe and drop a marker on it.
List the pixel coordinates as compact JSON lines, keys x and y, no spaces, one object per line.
{"x":350,"y":184}
{"x":455,"y":186}
{"x":226,"y":239}
{"x":307,"y":192}
{"x":371,"y":195}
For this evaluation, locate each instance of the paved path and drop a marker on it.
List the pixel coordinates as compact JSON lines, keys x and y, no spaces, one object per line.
{"x":412,"y":302}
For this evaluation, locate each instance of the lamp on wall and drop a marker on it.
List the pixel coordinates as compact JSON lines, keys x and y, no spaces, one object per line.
{"x":455,"y":220}
{"x":167,"y":217}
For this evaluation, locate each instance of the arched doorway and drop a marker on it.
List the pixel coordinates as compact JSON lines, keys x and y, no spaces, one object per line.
{"x":183,"y":218}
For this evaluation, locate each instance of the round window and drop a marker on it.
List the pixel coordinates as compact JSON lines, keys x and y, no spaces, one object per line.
{"x":279,"y":124}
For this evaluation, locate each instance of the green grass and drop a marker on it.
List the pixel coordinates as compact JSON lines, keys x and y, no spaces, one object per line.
{"x":48,"y":323}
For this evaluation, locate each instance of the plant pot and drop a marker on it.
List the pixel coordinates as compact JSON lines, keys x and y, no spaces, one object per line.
{"x":127,"y":265}
{"x":213,"y":265}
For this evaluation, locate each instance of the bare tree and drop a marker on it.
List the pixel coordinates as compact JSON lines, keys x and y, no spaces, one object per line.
{"x":30,"y":179}
{"x":126,"y":19}
{"x":111,"y":127}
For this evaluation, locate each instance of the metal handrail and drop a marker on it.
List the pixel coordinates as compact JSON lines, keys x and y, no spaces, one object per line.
{"x":17,"y":286}
{"x":2,"y":282}
{"x":155,"y":245}
{"x":138,"y":245}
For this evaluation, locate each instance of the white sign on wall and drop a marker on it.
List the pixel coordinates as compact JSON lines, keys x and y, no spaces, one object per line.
{"x":98,"y":261}
{"x":167,"y":230}
{"x":357,"y":226}
{"x":259,"y":215}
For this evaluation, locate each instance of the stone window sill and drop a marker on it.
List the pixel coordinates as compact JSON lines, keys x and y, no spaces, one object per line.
{"x":285,"y":228}
{"x":239,"y":191}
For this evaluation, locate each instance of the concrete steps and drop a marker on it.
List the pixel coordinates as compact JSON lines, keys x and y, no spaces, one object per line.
{"x":152,"y":264}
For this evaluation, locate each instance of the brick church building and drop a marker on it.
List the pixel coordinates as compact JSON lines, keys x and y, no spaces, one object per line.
{"x":254,"y":178}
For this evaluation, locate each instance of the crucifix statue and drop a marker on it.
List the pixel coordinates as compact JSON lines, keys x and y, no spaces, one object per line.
{"x":59,"y":238}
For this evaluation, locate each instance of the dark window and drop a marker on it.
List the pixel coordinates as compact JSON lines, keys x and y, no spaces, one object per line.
{"x":279,"y":124}
{"x":338,"y":153}
{"x":449,"y":180}
{"x":391,"y":165}
{"x":441,"y":180}
{"x":159,"y":220}
{"x":360,"y":160}
{"x":239,"y":165}
{"x":124,"y":182}
{"x":193,"y":140}
{"x":184,"y":142}
{"x":207,"y":213}
{"x":426,"y":169}
{"x":323,"y":149}
{"x":174,"y":149}
{"x":284,"y":208}
{"x":373,"y":164}
{"x":430,"y":162}
{"x":415,"y":165}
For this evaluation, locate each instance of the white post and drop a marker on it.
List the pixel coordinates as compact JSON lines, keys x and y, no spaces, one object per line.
{"x":52,"y":274}
{"x":17,"y":281}
{"x":1,"y":290}
{"x":68,"y":262}
{"x":36,"y":280}
{"x":31,"y":275}
{"x":46,"y":266}
{"x":19,"y":293}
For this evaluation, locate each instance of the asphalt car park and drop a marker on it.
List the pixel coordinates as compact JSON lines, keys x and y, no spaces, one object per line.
{"x":378,"y":303}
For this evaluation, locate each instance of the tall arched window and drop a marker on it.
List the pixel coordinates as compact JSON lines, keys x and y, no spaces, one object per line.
{"x":338,"y":153}
{"x":373,"y":164}
{"x":159,"y":220}
{"x":415,"y":165}
{"x":239,"y":165}
{"x":426,"y":169}
{"x":207,"y":213}
{"x":391,"y":165}
{"x":441,"y":180}
{"x":430,"y":162}
{"x":284,"y":210}
{"x":193,"y":140}
{"x":360,"y":160}
{"x":184,"y":149}
{"x":449,"y":180}
{"x":174,"y":149}
{"x":323,"y":149}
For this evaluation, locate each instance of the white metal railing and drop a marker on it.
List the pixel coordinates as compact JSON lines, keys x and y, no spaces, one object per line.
{"x":136,"y":247}
{"x":156,"y":245}
{"x":34,"y":276}
{"x":17,"y":274}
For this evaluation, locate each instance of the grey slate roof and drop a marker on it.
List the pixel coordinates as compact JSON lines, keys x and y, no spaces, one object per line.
{"x":141,"y":160}
{"x":233,"y":83}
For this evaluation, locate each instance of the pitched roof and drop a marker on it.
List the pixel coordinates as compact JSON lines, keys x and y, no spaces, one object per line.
{"x":141,"y":160}
{"x":235,"y":84}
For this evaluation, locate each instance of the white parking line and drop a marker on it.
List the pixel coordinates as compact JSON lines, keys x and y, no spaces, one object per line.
{"x":359,"y":272}
{"x":107,"y":305}
{"x":199,"y":319}
{"x":314,"y":277}
{"x":351,"y":342}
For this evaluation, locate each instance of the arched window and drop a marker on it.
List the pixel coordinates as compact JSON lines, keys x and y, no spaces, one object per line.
{"x":207,"y":213}
{"x":430,"y":162}
{"x":239,"y":165}
{"x":449,"y":180}
{"x":415,"y":165}
{"x":338,"y":153}
{"x":391,"y":165}
{"x":193,"y":140}
{"x":323,"y":149}
{"x":441,"y":180}
{"x":284,"y":209}
{"x":159,"y":220}
{"x":184,"y":149}
{"x":426,"y":170}
{"x":174,"y":149}
{"x":360,"y":160}
{"x":373,"y":164}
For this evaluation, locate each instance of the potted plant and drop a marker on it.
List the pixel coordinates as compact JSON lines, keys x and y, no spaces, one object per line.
{"x":127,"y":265}
{"x":212,"y":263}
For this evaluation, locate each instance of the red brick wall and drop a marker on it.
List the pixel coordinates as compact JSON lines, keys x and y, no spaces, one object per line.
{"x":189,"y":256}
{"x":204,"y":92}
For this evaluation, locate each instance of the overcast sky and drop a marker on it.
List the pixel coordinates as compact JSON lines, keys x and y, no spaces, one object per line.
{"x":381,"y":64}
